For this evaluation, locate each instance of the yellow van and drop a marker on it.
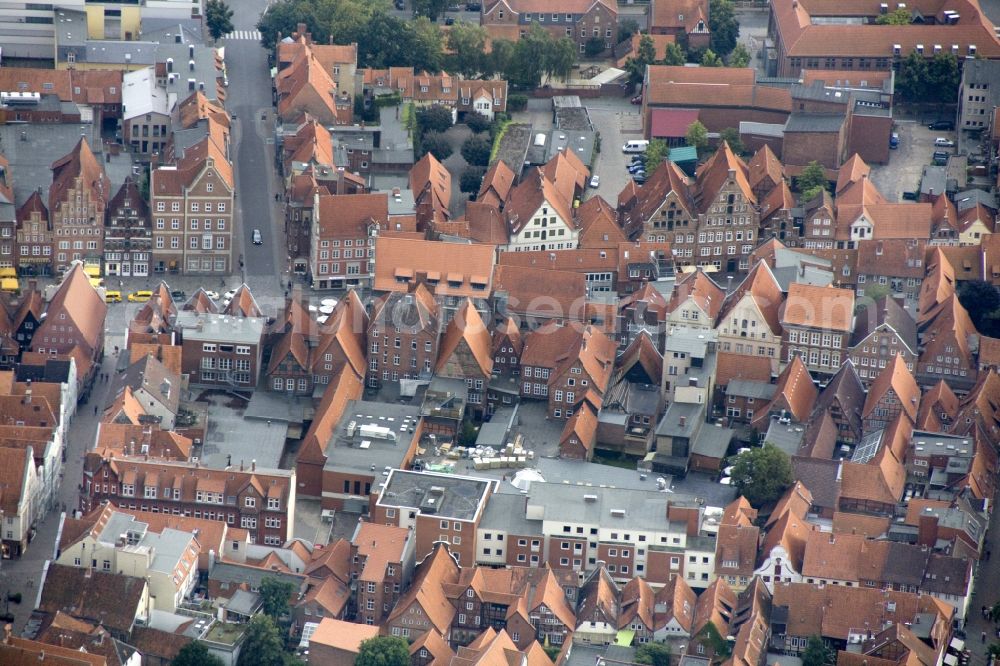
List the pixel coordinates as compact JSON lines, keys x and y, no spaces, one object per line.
{"x":140,"y":296}
{"x":112,"y":297}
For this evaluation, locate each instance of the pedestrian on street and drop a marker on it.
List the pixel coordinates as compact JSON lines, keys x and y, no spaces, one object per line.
{"x":95,"y":410}
{"x":984,"y":636}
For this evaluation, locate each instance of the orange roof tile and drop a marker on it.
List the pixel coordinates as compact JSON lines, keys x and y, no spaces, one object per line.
{"x":819,"y":307}
{"x":895,"y":377}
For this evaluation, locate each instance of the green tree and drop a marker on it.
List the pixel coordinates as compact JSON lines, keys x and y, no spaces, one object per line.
{"x":219,"y":18}
{"x":993,"y":651}
{"x":654,"y":654}
{"x":710,"y":59}
{"x":731,"y":136}
{"x":895,"y":17}
{"x":274,"y":594}
{"x":195,"y":654}
{"x":477,"y":122}
{"x":656,"y":153}
{"x":812,"y":176}
{"x":560,"y":55}
{"x":740,"y":57}
{"x":981,"y":299}
{"x":875,"y":291}
{"x":645,"y":55}
{"x":594,"y":47}
{"x":674,"y":55}
{"x":724,"y":26}
{"x":762,"y":474}
{"x":501,"y":59}
{"x":817,"y":653}
{"x":911,"y":82}
{"x":437,"y":145}
{"x":626,"y":29}
{"x":467,"y":42}
{"x":944,"y":78}
{"x":476,"y":150}
{"x":530,"y":55}
{"x":811,"y":193}
{"x":344,"y":20}
{"x":471,"y":179}
{"x":426,"y":42}
{"x":431,"y":9}
{"x":434,"y":118}
{"x":720,"y":646}
{"x":262,"y":644}
{"x":697,"y":136}
{"x":517,"y":102}
{"x":383,"y":651}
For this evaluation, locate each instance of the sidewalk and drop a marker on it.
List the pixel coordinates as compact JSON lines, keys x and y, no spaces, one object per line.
{"x":986,"y":593}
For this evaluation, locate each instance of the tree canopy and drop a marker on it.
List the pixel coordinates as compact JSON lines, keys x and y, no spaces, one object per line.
{"x":274,"y":594}
{"x":645,"y":55}
{"x":697,"y":136}
{"x":434,"y":118}
{"x":982,"y":300}
{"x":895,"y":17}
{"x":762,"y":474}
{"x":731,"y":135}
{"x":724,"y":26}
{"x":710,"y":59}
{"x":653,"y":654}
{"x":219,"y":18}
{"x":476,"y":150}
{"x":934,"y":80}
{"x":674,"y":55}
{"x":467,"y":42}
{"x":431,"y":9}
{"x":262,"y":644}
{"x":656,"y":152}
{"x":817,"y":653}
{"x":195,"y":654}
{"x":383,"y":651}
{"x":814,"y":175}
{"x":437,"y":145}
{"x":740,"y":57}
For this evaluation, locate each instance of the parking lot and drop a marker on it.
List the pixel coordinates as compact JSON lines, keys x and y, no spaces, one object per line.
{"x":906,"y":163}
{"x":618,"y":122}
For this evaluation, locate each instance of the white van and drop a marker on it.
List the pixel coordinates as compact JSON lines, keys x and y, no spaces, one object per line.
{"x":635,"y":146}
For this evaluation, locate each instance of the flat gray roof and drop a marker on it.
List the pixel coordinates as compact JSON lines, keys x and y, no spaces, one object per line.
{"x":713,"y":441}
{"x":220,"y":328}
{"x":505,"y":512}
{"x":749,"y":388}
{"x":230,"y":434}
{"x":349,"y":448}
{"x":445,"y":495}
{"x":670,"y":424}
{"x":641,"y":509}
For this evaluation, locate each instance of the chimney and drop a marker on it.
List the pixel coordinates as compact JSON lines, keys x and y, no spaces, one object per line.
{"x":191,"y":65}
{"x":190,"y":50}
{"x":253,"y":465}
{"x":683,"y":421}
{"x":170,"y":64}
{"x":27,"y":397}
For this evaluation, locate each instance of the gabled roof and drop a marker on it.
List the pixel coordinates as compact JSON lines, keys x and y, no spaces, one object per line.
{"x":80,"y":302}
{"x":171,"y":181}
{"x":535,"y":190}
{"x":496,"y":184}
{"x":886,"y":312}
{"x":243,"y":304}
{"x":598,"y":598}
{"x":666,"y":178}
{"x":715,"y":605}
{"x":200,"y":302}
{"x":715,"y":172}
{"x":853,"y":170}
{"x":581,"y":427}
{"x":736,"y":549}
{"x":897,"y":378}
{"x":507,"y":332}
{"x":794,"y":391}
{"x":431,"y":179}
{"x":79,"y":163}
{"x":641,"y":351}
{"x":304,"y":84}
{"x":436,"y":570}
{"x":765,"y":290}
{"x":637,"y":601}
{"x":764,"y":166}
{"x":435,"y":645}
{"x":467,"y":329}
{"x":789,"y":531}
{"x":939,"y":401}
{"x":598,"y":224}
{"x":675,"y":601}
{"x":698,"y":287}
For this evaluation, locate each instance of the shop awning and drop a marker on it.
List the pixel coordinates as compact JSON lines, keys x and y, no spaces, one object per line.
{"x":9,"y":284}
{"x":8,"y":272}
{"x":625,"y":637}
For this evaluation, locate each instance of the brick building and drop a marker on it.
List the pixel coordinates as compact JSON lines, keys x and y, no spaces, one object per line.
{"x":580,"y":20}
{"x":261,"y":502}
{"x":128,"y":238}
{"x":78,"y":198}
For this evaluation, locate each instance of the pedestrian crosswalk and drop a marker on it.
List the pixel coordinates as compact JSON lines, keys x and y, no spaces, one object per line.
{"x":252,"y":35}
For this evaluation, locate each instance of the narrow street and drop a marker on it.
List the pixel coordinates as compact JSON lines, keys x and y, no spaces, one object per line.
{"x":986,"y":593}
{"x":23,"y":575}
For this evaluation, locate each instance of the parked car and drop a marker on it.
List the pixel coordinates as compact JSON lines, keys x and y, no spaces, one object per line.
{"x":595,"y":181}
{"x":639,"y":178}
{"x":638,"y":166}
{"x":178,"y":295}
{"x":257,"y":239}
{"x":911,"y":196}
{"x":400,"y":5}
{"x":113,"y":297}
{"x":942,"y":142}
{"x":139,"y":296}
{"x":473,"y":7}
{"x":449,"y":21}
{"x":638,"y":158}
{"x":942,"y":125}
{"x":894,"y":141}
{"x":214,"y":295}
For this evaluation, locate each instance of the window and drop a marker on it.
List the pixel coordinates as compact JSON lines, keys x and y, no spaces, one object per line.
{"x":250,"y":502}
